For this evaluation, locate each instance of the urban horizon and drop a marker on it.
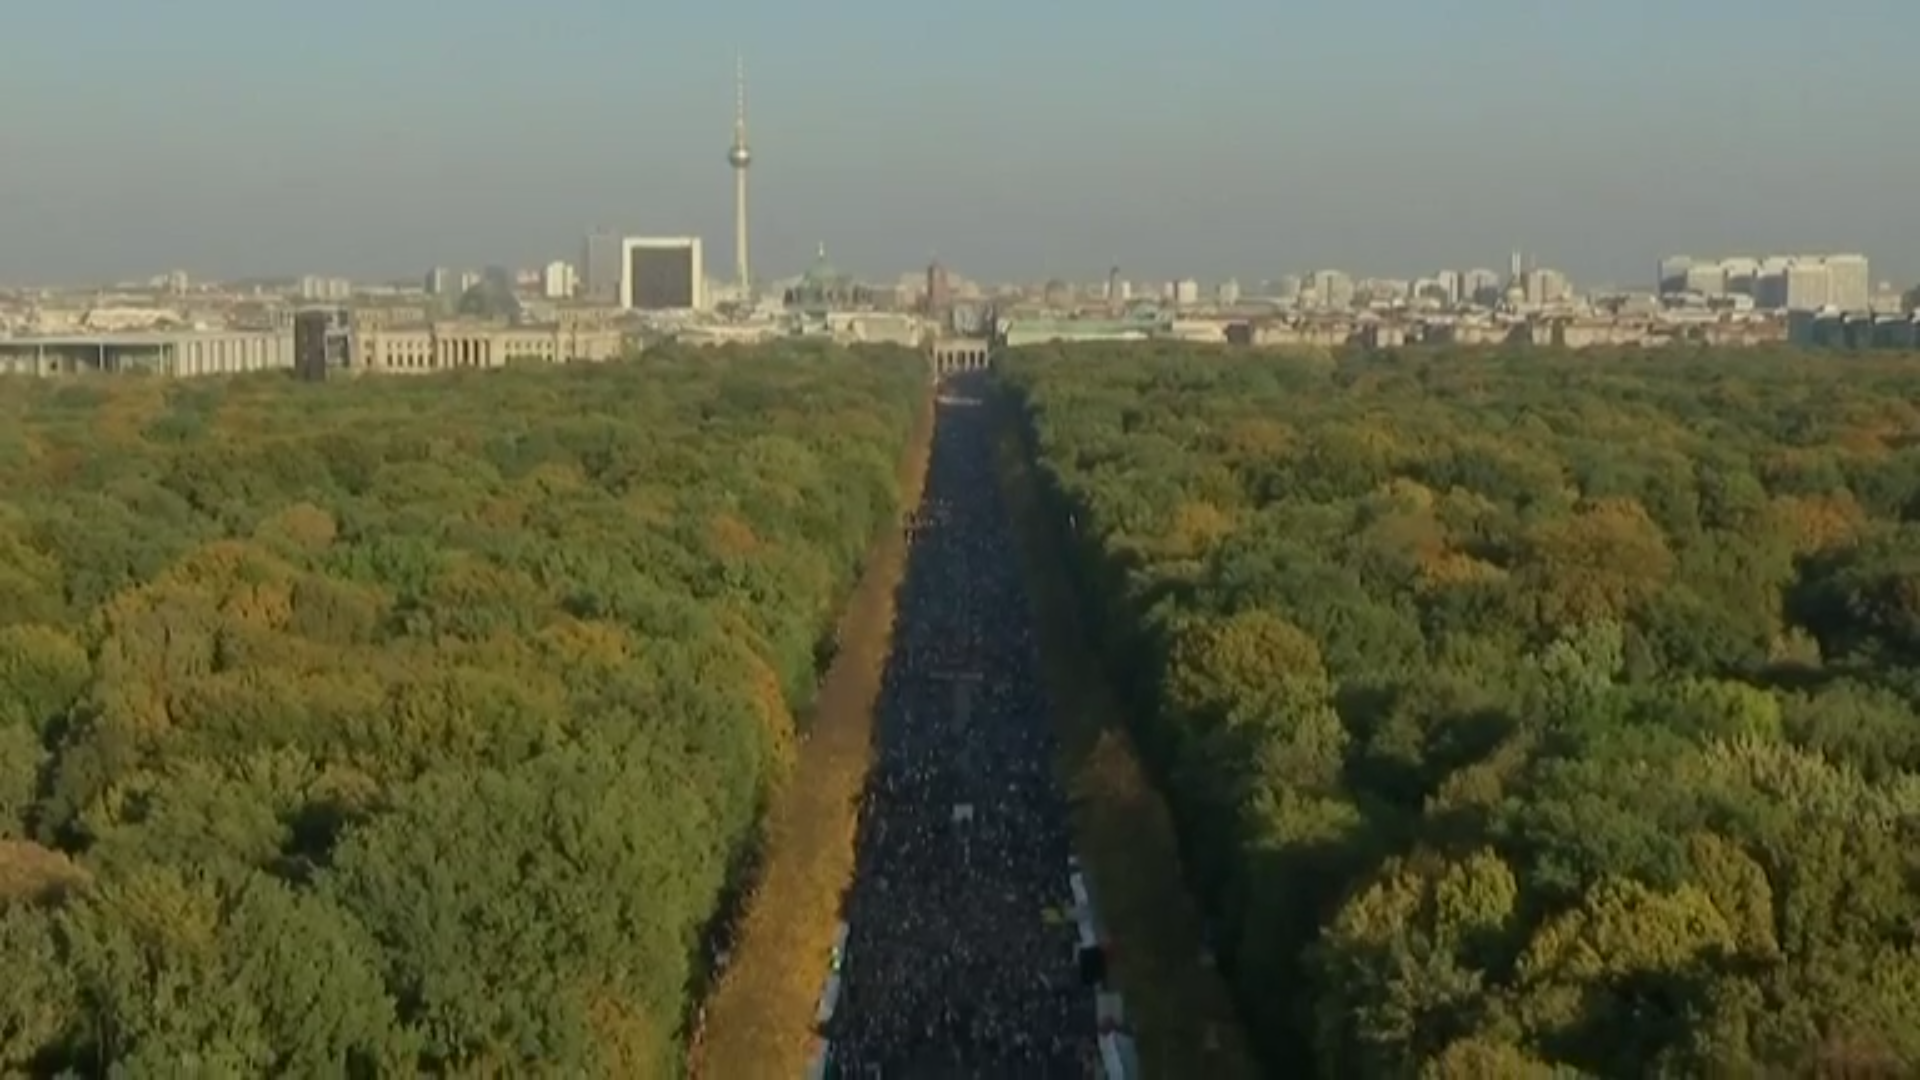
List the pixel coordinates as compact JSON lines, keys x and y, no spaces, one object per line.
{"x":1603,"y":195}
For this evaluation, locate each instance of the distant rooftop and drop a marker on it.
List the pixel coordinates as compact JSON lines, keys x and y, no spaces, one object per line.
{"x":125,"y":338}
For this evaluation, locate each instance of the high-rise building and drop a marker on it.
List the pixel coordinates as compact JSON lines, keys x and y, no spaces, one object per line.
{"x":1809,"y":287}
{"x":1545,"y":286}
{"x":939,"y":292}
{"x":1779,"y":282}
{"x":1742,"y":274}
{"x":557,"y":281}
{"x":1811,"y":283}
{"x":1672,"y":274}
{"x":320,"y":342}
{"x":439,"y":281}
{"x":1333,"y":289}
{"x":602,"y":262}
{"x":1705,"y":279}
{"x":662,"y":274}
{"x":1849,"y":281}
{"x":739,"y":157}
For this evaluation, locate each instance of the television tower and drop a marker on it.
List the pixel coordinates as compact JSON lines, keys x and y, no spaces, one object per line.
{"x":740,"y":157}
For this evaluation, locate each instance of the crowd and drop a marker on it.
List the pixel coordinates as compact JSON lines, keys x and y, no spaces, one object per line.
{"x":960,"y":955}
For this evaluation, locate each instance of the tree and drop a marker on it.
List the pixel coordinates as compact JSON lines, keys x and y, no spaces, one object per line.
{"x":410,"y":725}
{"x":1523,"y":715}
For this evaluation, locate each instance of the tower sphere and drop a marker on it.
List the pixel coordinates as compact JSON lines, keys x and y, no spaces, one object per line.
{"x":739,"y":158}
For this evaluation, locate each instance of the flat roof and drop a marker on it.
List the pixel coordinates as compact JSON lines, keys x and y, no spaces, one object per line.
{"x":129,"y":338}
{"x":1084,"y":326}
{"x":481,"y":326}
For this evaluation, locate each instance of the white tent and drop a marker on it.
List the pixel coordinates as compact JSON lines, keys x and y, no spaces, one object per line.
{"x":829,"y":1000}
{"x":1087,"y":938}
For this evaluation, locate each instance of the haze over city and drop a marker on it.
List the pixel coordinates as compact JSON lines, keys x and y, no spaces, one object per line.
{"x":1217,"y":139}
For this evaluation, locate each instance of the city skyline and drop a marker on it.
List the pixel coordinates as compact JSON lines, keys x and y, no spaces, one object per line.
{"x":1295,"y":146}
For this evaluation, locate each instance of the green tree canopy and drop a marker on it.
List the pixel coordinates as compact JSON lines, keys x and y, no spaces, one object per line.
{"x":409,"y":725}
{"x":1526,"y":714}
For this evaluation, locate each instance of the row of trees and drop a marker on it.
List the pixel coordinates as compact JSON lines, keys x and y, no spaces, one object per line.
{"x":1522,"y":712}
{"x":408,"y":725}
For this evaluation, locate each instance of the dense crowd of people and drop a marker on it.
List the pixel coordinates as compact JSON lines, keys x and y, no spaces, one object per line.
{"x":960,"y":957}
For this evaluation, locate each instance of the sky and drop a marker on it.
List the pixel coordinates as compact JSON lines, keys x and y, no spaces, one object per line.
{"x":1013,"y":140}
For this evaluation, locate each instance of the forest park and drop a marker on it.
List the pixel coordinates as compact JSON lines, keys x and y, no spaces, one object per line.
{"x":408,"y":725}
{"x":1523,"y":715}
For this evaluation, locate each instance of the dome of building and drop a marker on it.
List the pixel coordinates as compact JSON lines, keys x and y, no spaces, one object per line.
{"x":490,"y":298}
{"x":822,"y":271}
{"x":823,"y":288}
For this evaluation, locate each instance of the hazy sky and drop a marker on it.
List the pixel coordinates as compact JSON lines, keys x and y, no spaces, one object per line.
{"x":1014,"y":139}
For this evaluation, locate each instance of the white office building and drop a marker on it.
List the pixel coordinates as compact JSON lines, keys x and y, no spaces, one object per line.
{"x":1333,"y":289}
{"x":1705,"y":279}
{"x":1850,"y":282}
{"x":557,"y":281}
{"x":1782,"y":282}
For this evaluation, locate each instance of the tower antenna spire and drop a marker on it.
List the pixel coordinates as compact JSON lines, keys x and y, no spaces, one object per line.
{"x":740,"y":158}
{"x":740,"y":96}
